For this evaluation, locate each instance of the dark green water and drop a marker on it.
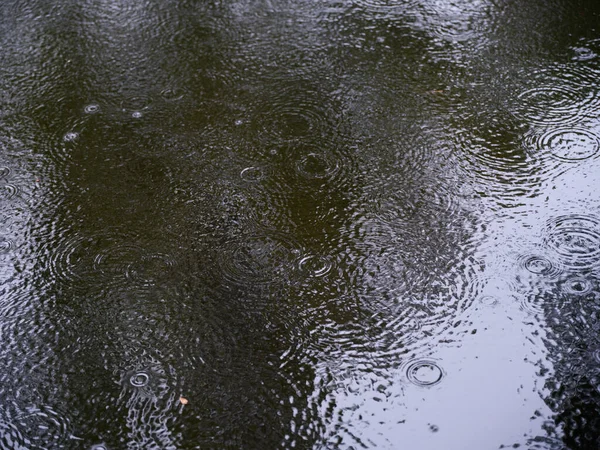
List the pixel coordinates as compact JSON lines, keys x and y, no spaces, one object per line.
{"x":300,"y":224}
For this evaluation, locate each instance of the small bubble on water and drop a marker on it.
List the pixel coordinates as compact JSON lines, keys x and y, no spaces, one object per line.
{"x":239,"y":122}
{"x":99,"y":447}
{"x":434,"y":428}
{"x":137,"y":114}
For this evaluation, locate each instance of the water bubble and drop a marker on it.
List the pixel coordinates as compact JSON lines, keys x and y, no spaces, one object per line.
{"x":252,"y":174}
{"x":71,"y":136}
{"x":4,"y":172}
{"x":137,"y":114}
{"x":575,"y":239}
{"x":92,"y":108}
{"x":139,"y":379}
{"x":424,"y":373}
{"x":577,"y":286}
{"x":314,"y":266}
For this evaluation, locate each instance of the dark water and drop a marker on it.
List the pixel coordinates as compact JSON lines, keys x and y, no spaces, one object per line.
{"x":300,"y":224}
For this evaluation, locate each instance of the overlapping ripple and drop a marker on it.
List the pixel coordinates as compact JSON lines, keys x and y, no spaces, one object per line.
{"x":574,"y":240}
{"x":259,"y":259}
{"x":572,"y":144}
{"x":558,"y":96}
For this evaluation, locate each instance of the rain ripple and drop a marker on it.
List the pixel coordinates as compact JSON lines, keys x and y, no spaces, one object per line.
{"x":560,"y":96}
{"x":575,"y":240}
{"x":572,"y":144}
{"x":109,"y":258}
{"x":259,"y":259}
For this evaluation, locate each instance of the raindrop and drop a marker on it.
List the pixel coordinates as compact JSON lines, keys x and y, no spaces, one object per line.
{"x":314,"y":266}
{"x":568,"y":144}
{"x":538,"y":265}
{"x":575,"y":239}
{"x":5,"y":245}
{"x":258,"y":259}
{"x":99,"y":447}
{"x":136,"y":104}
{"x":44,"y":428}
{"x":316,"y":166}
{"x":8,"y":191}
{"x":252,"y":174}
{"x":91,"y":108}
{"x":577,"y":286}
{"x":139,"y":379}
{"x":172,"y":94}
{"x":424,"y":373}
{"x":551,"y":105}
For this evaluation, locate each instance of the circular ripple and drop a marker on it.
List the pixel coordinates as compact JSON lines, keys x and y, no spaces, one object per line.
{"x":92,"y":108}
{"x":252,"y":174}
{"x":99,"y":447}
{"x":538,"y":265}
{"x":575,"y":239}
{"x":43,"y":428}
{"x":259,"y":259}
{"x":316,"y":166}
{"x":150,"y":379}
{"x":136,"y":103}
{"x":5,"y":245}
{"x":329,"y":164}
{"x":566,"y":144}
{"x":577,"y":286}
{"x":139,"y":379}
{"x":552,"y":104}
{"x":314,"y":266}
{"x":172,"y":94}
{"x":424,"y":373}
{"x":8,"y":191}
{"x":293,"y":114}
{"x":107,"y":257}
{"x":150,"y":268}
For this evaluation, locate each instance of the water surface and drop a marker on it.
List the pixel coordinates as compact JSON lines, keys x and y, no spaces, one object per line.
{"x":298,"y":224}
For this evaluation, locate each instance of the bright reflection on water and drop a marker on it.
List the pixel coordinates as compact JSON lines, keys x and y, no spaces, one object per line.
{"x":288,"y":224}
